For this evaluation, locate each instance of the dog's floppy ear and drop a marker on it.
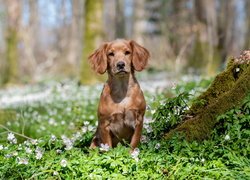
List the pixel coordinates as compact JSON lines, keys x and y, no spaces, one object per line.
{"x":140,"y":56}
{"x":98,"y":59}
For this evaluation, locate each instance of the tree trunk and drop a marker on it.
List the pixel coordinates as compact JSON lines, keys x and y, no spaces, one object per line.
{"x":109,"y":19}
{"x":227,"y":91}
{"x":13,"y":14}
{"x":139,"y":21}
{"x":114,"y":19}
{"x":120,"y":19}
{"x":92,"y":37}
{"x":205,"y":46}
{"x":73,"y":47}
{"x":29,"y":39}
{"x":226,"y":28}
{"x":247,"y":9}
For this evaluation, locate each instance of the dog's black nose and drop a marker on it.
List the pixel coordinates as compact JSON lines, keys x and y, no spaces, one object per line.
{"x":120,"y":65}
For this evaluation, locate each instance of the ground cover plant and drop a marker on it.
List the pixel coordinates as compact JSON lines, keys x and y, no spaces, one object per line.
{"x":46,"y":133}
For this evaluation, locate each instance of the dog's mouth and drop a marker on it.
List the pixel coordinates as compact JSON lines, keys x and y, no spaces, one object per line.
{"x":122,"y":72}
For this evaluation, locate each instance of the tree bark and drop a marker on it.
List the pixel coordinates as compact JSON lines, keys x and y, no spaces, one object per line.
{"x":93,"y":33}
{"x":226,"y":28}
{"x":13,"y":14}
{"x":139,"y":21}
{"x":73,"y":48}
{"x":247,"y":10}
{"x":120,"y":19}
{"x":205,"y":46}
{"x":227,"y":91}
{"x":109,"y":19}
{"x":114,"y":19}
{"x":29,"y":39}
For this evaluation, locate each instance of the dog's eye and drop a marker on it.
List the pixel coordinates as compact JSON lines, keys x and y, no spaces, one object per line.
{"x":127,"y":52}
{"x":111,"y":54}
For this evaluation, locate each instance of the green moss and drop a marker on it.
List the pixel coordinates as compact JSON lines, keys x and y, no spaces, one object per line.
{"x":227,"y":91}
{"x":223,"y":83}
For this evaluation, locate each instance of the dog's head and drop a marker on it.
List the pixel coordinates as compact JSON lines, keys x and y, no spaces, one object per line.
{"x":119,"y":57}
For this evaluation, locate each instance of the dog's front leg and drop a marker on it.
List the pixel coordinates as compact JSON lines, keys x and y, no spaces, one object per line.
{"x":104,"y":131}
{"x":138,"y":131}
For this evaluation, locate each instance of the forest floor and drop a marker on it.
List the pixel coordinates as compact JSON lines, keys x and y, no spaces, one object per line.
{"x":46,"y":128}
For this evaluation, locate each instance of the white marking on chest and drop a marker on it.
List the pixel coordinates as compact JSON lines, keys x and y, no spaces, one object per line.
{"x":125,"y":101}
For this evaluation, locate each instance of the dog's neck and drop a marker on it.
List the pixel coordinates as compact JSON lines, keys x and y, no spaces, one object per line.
{"x":120,"y":86}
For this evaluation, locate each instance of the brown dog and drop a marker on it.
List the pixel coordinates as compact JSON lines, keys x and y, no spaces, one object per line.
{"x":122,"y":104}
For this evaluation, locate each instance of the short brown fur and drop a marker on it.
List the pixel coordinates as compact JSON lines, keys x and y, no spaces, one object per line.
{"x":122,"y":104}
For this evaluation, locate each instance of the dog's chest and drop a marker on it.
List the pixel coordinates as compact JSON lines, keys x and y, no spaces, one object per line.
{"x":122,"y":124}
{"x":125,"y":102}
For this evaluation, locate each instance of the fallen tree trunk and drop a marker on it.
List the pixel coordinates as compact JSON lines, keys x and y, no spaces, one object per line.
{"x":228,"y":90}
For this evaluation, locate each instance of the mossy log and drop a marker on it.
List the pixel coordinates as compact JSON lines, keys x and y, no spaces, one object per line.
{"x":228,"y":90}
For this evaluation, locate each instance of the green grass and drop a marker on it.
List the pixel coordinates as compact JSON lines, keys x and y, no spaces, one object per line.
{"x":69,"y":113}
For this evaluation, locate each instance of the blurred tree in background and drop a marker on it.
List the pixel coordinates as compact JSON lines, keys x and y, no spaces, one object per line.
{"x":93,"y":32}
{"x":41,"y":39}
{"x":10,"y":74}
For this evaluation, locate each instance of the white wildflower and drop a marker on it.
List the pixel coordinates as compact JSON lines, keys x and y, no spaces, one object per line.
{"x":86,"y":123}
{"x":11,"y":138}
{"x":71,"y":125}
{"x":84,"y":129}
{"x":23,"y":161}
{"x":58,"y":151}
{"x":62,"y":122}
{"x":1,"y":147}
{"x":237,"y":70}
{"x":153,"y":111}
{"x":20,"y":147}
{"x":55,"y":173}
{"x":202,"y":160}
{"x":68,"y":109}
{"x":91,"y":128}
{"x":39,"y":153}
{"x":53,"y":138}
{"x":148,"y":128}
{"x":135,"y":154}
{"x":34,"y":142}
{"x":52,"y":121}
{"x":42,"y":128}
{"x":144,"y":139}
{"x":67,"y":142}
{"x":28,"y":150}
{"x":104,"y":147}
{"x":8,"y":155}
{"x":15,"y":153}
{"x":63,"y":163}
{"x":26,"y":143}
{"x":77,"y":135}
{"x":157,"y":146}
{"x":227,"y":137}
{"x":173,"y":86}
